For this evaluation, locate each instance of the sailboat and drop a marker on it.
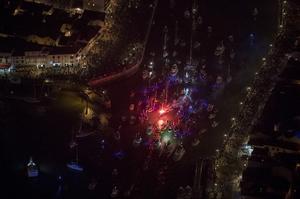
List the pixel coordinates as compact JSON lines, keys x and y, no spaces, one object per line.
{"x":75,"y":166}
{"x":179,"y":152}
{"x":81,"y":133}
{"x":33,"y":99}
{"x":14,"y":80}
{"x":73,"y":142}
{"x":137,"y":140}
{"x":32,"y":169}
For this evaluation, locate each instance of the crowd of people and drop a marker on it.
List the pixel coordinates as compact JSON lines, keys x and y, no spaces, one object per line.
{"x":229,"y":164}
{"x":119,"y":45}
{"x":129,"y":59}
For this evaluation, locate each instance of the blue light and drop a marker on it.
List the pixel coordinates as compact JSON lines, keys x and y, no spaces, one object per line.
{"x":186,"y":91}
{"x":119,"y":155}
{"x":204,"y":104}
{"x":297,"y":134}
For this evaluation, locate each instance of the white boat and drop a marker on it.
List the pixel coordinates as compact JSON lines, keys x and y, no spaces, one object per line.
{"x":31,"y":100}
{"x":132,"y":120}
{"x":32,"y":169}
{"x":179,"y":152}
{"x":137,"y":140}
{"x":92,"y":185}
{"x":74,"y":165}
{"x":115,"y":192}
{"x":170,"y":149}
{"x":81,"y":133}
{"x":196,"y":142}
{"x":14,"y":80}
{"x":117,"y":135}
{"x":73,"y":142}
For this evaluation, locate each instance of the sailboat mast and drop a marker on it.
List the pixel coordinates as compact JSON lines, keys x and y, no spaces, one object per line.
{"x":34,"y":89}
{"x":80,"y":125}
{"x":193,"y":28}
{"x":77,"y":159}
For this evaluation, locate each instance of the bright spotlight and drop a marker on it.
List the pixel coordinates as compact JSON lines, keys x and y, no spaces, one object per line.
{"x":162,"y":111}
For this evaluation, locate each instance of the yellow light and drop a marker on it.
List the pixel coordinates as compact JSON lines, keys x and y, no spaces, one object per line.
{"x":88,"y":113}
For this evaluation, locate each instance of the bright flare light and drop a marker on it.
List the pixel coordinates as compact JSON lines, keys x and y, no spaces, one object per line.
{"x":162,"y":111}
{"x":166,"y":139}
{"x":160,"y":123}
{"x":186,"y":91}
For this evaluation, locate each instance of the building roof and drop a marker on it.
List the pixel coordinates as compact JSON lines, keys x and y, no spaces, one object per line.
{"x":4,"y":66}
{"x":33,"y":20}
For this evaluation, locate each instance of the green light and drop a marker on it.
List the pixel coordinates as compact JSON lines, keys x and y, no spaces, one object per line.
{"x":166,"y":136}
